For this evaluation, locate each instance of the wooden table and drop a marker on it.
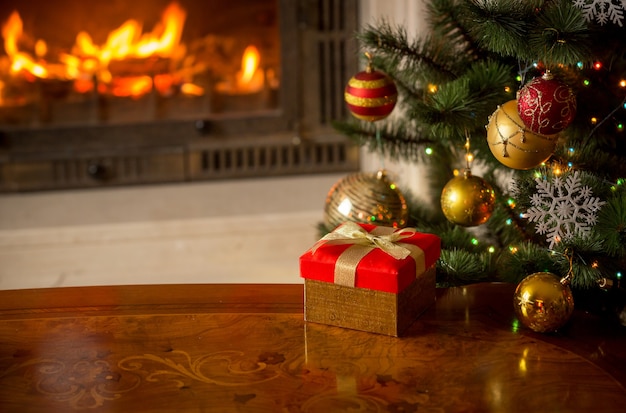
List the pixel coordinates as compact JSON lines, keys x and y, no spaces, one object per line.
{"x":246,"y":348}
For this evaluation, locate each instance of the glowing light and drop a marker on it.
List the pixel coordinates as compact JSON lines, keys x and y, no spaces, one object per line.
{"x":41,"y":48}
{"x":509,"y":221}
{"x":429,"y":151}
{"x":571,"y":150}
{"x":515,"y":325}
{"x":618,"y":275}
{"x":492,"y":249}
{"x":522,"y":365}
{"x":580,"y":65}
{"x":513,"y":250}
{"x":597,"y":65}
{"x":432,"y":88}
{"x":593,"y":120}
{"x":620,"y":127}
{"x":392,"y":186}
{"x":622,"y":83}
{"x":249,"y":63}
{"x":191,"y":89}
{"x":474,"y":241}
{"x":507,"y":89}
{"x":454,"y":196}
{"x":345,"y":207}
{"x":518,"y":78}
{"x":86,"y":60}
{"x":594,"y":264}
{"x":586,"y":82}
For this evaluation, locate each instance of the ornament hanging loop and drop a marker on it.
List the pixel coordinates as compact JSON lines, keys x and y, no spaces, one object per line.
{"x":469,"y":158}
{"x":557,"y":41}
{"x":567,"y":279}
{"x":369,"y":68}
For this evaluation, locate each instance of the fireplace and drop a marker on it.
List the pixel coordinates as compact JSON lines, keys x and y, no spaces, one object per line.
{"x":118,"y":93}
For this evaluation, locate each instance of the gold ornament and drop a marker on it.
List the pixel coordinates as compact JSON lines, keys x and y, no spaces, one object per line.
{"x":367,"y":198}
{"x":542,"y":302}
{"x":513,"y":144}
{"x":467,"y":200}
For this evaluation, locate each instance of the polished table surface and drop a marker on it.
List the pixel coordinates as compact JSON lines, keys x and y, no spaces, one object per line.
{"x":246,"y":348}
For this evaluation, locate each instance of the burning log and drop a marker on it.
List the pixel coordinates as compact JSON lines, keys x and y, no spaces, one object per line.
{"x":151,"y":66}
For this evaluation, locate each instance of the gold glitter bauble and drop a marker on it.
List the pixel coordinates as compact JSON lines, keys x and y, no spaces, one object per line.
{"x":367,"y":198}
{"x":542,"y":302}
{"x":467,"y":200}
{"x":513,"y":144}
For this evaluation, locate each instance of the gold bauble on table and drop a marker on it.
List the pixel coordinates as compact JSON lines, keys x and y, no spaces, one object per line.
{"x":513,"y":144}
{"x":367,"y":198}
{"x":468,"y":200}
{"x":542,"y":302}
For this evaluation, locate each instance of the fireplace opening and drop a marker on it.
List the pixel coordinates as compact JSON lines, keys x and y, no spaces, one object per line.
{"x":113,"y":93}
{"x":89,"y":63}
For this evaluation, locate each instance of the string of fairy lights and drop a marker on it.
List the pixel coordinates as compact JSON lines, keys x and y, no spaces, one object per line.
{"x":556,"y":168}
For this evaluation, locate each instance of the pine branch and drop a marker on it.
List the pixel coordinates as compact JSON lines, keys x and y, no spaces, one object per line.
{"x":459,"y":267}
{"x":466,"y":102}
{"x":408,"y":62}
{"x":502,"y":26}
{"x":523,"y":259}
{"x":394,"y":139}
{"x":447,"y":20}
{"x":611,"y":226}
{"x":560,"y":35}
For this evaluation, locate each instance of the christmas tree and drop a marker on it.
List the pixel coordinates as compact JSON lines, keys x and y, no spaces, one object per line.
{"x":475,"y":95}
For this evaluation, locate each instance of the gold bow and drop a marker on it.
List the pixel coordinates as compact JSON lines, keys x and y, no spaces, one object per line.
{"x":352,"y":233}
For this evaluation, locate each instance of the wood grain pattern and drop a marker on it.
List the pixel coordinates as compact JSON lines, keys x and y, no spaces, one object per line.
{"x":246,"y":348}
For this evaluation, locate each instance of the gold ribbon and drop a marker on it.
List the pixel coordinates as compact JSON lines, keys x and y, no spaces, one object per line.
{"x":384,"y":238}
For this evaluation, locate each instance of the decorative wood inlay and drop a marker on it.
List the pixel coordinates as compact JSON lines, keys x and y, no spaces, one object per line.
{"x":466,"y":353}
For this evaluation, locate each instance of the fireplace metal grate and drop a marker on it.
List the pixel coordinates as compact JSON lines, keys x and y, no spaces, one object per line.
{"x":273,"y":158}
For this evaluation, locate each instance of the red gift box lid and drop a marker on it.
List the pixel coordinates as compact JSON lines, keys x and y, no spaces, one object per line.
{"x":377,"y":270}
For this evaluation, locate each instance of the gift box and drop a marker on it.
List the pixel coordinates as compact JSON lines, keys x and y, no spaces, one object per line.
{"x":370,"y":278}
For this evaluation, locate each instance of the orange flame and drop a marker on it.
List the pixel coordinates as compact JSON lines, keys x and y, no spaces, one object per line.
{"x":88,"y":60}
{"x":12,"y":31}
{"x":127,"y":41}
{"x":249,"y":63}
{"x":250,"y":78}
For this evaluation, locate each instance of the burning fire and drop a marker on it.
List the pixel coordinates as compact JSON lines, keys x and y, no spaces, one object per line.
{"x":89,"y":65}
{"x":250,"y":79}
{"x":130,"y":63}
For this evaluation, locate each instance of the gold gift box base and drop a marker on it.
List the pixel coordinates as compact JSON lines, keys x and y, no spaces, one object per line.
{"x":368,"y":310}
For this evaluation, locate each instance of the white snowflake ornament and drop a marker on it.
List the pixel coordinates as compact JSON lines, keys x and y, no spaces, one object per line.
{"x":602,"y":10}
{"x":563,"y":208}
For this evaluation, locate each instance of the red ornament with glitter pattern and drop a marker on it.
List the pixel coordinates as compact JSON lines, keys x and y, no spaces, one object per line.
{"x":546,"y":105}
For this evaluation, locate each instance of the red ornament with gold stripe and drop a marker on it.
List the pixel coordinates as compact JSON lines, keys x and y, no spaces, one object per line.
{"x":546,"y":105}
{"x":371,"y":95}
